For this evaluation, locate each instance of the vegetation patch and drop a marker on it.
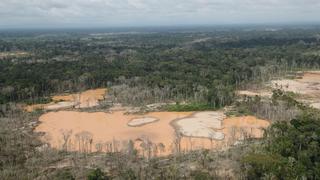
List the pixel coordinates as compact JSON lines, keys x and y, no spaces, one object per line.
{"x":291,"y":150}
{"x":189,"y":107}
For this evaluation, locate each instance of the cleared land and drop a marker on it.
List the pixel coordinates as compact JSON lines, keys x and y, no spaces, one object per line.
{"x":106,"y":129}
{"x":13,"y":54}
{"x":88,"y":132}
{"x":307,"y":86}
{"x":86,"y":99}
{"x":202,"y":125}
{"x":251,"y":93}
{"x":316,"y":105}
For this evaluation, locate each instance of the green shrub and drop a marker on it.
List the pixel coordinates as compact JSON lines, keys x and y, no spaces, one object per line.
{"x":189,"y":107}
{"x":96,"y":174}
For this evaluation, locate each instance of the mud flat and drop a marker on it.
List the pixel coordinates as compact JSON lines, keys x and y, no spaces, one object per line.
{"x":202,"y":125}
{"x":141,"y":121}
{"x":106,"y":128}
{"x":238,"y":128}
{"x":107,"y":132}
{"x":86,"y":99}
{"x":234,"y":129}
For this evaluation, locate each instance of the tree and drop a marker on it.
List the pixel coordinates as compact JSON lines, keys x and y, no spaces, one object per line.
{"x":161,"y":147}
{"x":290,"y":150}
{"x":85,"y":140}
{"x":96,"y":174}
{"x":66,"y":138}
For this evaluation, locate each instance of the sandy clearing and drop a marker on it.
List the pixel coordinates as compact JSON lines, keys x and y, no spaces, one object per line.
{"x":107,"y":132}
{"x":86,"y":99}
{"x":141,"y":121}
{"x":254,"y":93}
{"x":291,"y":85}
{"x":236,"y":128}
{"x":310,"y":76}
{"x":309,"y":84}
{"x":106,"y":128}
{"x":60,"y":105}
{"x":34,"y":107}
{"x":13,"y":54}
{"x":316,"y":105}
{"x":202,"y":125}
{"x":89,"y":98}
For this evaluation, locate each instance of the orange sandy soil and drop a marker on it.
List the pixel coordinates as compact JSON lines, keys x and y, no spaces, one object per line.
{"x":89,"y":98}
{"x":106,"y":128}
{"x":308,"y":85}
{"x":311,"y":76}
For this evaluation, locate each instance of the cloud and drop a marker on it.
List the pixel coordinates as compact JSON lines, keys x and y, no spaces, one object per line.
{"x":153,"y":12}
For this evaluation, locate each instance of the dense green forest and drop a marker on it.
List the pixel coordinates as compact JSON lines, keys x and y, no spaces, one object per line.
{"x":290,"y":149}
{"x":203,"y":67}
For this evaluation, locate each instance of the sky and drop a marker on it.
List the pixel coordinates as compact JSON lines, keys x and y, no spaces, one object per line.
{"x":128,"y":13}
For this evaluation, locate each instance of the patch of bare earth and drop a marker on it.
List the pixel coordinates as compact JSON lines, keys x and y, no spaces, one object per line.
{"x":252,"y":93}
{"x":308,"y":86}
{"x":105,"y":131}
{"x":109,"y":132}
{"x":316,"y":105}
{"x":86,"y":99}
{"x":13,"y":54}
{"x":202,"y":125}
{"x":234,"y":130}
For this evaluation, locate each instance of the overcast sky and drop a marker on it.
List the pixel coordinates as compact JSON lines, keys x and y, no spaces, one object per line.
{"x":110,"y":13}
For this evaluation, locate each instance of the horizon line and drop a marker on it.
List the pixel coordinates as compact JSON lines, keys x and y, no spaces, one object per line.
{"x":82,"y":27}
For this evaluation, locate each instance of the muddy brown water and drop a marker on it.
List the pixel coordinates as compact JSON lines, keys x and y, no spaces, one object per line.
{"x":101,"y":131}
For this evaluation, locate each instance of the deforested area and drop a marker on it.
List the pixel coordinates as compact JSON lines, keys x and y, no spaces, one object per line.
{"x":162,"y":103}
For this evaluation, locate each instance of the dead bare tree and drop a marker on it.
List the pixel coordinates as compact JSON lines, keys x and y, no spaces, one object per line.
{"x":162,"y":148}
{"x":99,"y":146}
{"x":66,"y":138}
{"x":146,"y":146}
{"x":233,"y":135}
{"x":155,"y":150}
{"x":131,"y":149}
{"x":177,"y":141}
{"x":108,"y":146}
{"x":211,"y":137}
{"x":85,"y":140}
{"x":115,"y":145}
